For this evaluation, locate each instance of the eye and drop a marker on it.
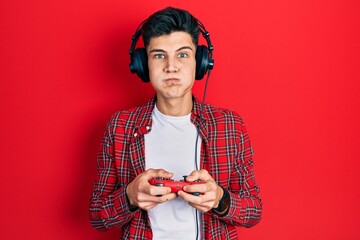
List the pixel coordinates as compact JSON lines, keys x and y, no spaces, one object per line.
{"x":159,"y":56}
{"x":183,"y":55}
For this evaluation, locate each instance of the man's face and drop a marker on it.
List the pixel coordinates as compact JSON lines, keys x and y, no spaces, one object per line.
{"x":172,"y":65}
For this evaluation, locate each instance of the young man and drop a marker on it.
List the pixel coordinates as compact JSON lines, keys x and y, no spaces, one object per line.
{"x":171,"y":136}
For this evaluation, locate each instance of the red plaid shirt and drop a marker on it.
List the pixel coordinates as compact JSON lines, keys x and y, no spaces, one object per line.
{"x":226,"y":153}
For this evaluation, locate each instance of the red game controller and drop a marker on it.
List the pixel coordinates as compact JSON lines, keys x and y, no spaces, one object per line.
{"x":174,"y":185}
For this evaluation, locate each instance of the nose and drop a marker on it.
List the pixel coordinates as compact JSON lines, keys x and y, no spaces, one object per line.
{"x":171,"y":65}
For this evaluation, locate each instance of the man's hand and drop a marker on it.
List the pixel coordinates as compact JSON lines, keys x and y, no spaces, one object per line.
{"x":211,"y":191}
{"x":141,"y":194}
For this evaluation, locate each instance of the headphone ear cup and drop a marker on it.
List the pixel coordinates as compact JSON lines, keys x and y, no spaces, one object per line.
{"x":140,"y":64}
{"x":202,"y":61}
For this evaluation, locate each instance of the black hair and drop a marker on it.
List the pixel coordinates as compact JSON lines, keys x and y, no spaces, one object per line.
{"x":169,"y":20}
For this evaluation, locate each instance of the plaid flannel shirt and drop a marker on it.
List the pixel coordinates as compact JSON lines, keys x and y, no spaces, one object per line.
{"x":226,"y":153}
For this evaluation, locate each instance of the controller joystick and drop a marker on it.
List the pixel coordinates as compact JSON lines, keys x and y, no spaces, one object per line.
{"x":159,"y":185}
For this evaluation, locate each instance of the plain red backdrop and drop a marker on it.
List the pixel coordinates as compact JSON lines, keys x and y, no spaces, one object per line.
{"x":290,"y":68}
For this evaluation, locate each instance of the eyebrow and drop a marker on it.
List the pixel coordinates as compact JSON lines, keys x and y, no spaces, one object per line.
{"x":161,"y":50}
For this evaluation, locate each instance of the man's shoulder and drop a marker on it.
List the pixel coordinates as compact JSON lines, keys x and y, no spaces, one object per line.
{"x":218,"y":113}
{"x":130,"y":112}
{"x":224,"y":120}
{"x":133,"y":115}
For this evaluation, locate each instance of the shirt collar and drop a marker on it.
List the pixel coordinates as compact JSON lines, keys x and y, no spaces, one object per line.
{"x":199,"y":111}
{"x":199,"y":117}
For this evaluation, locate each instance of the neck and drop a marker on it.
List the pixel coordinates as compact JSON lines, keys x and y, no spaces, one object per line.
{"x":175,"y":107}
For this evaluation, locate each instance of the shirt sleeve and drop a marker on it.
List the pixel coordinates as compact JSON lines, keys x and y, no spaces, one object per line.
{"x":245,"y":202}
{"x":108,"y":204}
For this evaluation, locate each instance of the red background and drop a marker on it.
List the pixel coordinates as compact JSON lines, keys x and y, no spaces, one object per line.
{"x":290,"y":68}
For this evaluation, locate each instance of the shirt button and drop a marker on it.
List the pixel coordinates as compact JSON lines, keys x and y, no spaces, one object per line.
{"x":135,"y":135}
{"x":148,"y":128}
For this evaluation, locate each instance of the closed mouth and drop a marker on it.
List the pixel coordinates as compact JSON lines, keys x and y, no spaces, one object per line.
{"x":171,"y":79}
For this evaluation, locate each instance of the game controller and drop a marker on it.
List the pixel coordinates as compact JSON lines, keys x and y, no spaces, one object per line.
{"x":174,"y":185}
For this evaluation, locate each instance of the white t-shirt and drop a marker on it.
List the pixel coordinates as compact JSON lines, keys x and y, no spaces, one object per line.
{"x":170,"y":145}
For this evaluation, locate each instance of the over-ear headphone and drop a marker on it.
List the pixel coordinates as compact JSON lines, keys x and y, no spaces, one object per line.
{"x":139,"y":59}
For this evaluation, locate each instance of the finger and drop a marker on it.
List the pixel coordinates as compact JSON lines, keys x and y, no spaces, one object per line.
{"x":153,"y":202}
{"x":196,"y":201}
{"x":200,"y":188}
{"x":193,"y":176}
{"x":188,"y":197}
{"x":148,"y":205}
{"x":162,"y":199}
{"x":204,"y":207}
{"x":202,"y":175}
{"x":156,"y":191}
{"x":170,"y":196}
{"x":203,"y":203}
{"x":154,"y":173}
